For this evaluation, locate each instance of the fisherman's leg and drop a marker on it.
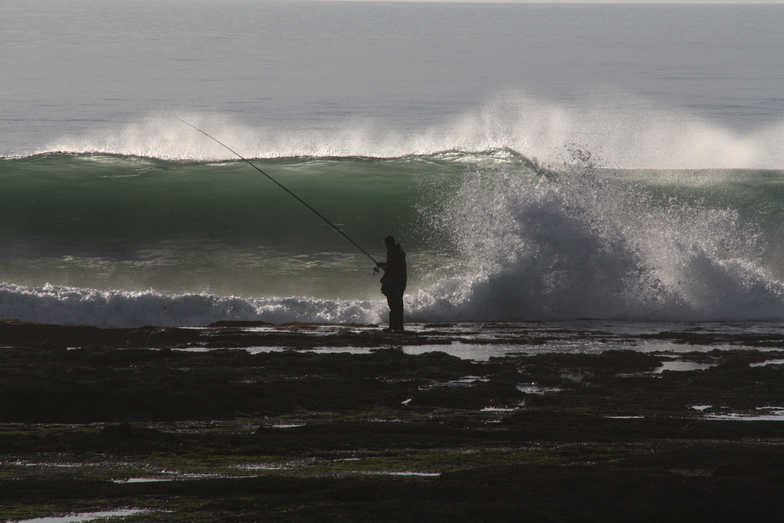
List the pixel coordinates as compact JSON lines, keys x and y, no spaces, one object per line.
{"x":398,"y":325}
{"x":400,"y":318}
{"x":392,"y":311}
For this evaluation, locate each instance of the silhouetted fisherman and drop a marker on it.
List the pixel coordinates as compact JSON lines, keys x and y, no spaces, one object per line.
{"x":393,"y":282}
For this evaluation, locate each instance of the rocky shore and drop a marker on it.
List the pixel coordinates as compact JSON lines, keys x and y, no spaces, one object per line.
{"x":344,"y":422}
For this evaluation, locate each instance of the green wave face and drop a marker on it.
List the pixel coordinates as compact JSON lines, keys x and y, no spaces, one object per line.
{"x":115,"y":221}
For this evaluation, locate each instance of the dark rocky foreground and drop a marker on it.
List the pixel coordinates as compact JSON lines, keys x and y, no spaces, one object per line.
{"x":98,"y":419}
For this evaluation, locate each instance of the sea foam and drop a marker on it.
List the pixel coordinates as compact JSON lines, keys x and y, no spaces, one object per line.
{"x":565,"y":245}
{"x":76,"y":306}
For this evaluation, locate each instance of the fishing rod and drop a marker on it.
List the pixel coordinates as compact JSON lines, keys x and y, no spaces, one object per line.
{"x":282,"y":187}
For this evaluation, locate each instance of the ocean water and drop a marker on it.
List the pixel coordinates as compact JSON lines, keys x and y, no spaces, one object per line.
{"x":536,"y":162}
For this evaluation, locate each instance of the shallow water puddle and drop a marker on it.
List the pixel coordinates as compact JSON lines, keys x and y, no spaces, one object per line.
{"x":267,"y":466}
{"x":682,"y":366}
{"x":141,"y":480}
{"x":86,"y":516}
{"x":467,"y":351}
{"x":767,"y":362}
{"x":403,"y":473}
{"x":58,"y":464}
{"x":466,"y":381}
{"x":501,"y":409}
{"x":674,"y":366}
{"x":172,"y":476}
{"x":532,"y":388}
{"x":765,"y":414}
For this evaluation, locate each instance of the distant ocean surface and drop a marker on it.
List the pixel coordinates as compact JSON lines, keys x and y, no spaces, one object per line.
{"x":537,"y":162}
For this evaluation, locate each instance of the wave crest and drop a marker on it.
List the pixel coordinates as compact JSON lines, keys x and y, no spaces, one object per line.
{"x":625,"y":131}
